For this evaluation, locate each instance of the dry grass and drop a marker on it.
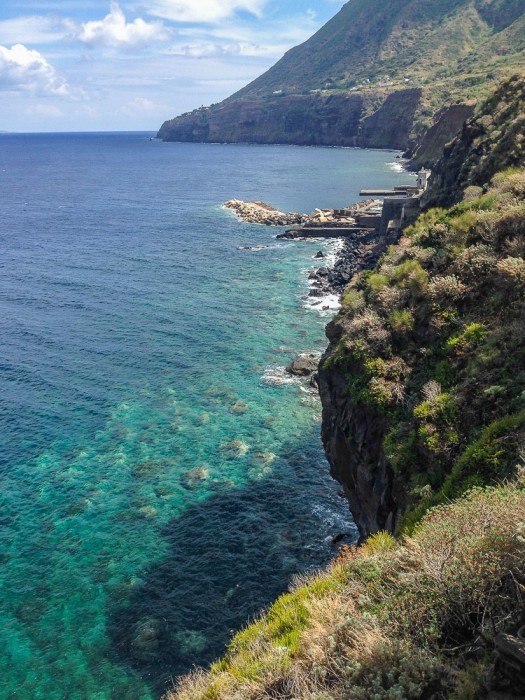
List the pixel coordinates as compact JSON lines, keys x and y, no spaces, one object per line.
{"x":383,"y":619}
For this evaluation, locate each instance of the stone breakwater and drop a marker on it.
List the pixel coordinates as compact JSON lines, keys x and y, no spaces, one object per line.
{"x":261,"y":213}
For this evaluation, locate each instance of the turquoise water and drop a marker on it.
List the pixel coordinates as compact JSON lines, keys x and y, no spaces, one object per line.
{"x":161,"y":478}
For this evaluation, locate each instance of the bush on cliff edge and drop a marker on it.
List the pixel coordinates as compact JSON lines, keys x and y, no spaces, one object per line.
{"x":389,"y":621}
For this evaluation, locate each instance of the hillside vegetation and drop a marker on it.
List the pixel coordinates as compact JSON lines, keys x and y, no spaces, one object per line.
{"x":391,"y":621}
{"x":377,"y":75}
{"x":431,"y":343}
{"x":458,"y":43}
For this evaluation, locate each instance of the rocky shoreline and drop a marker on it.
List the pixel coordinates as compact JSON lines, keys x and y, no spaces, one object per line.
{"x":358,"y":252}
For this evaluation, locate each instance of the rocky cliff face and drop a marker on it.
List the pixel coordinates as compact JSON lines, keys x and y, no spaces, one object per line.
{"x":342,"y":119}
{"x":447,"y":123}
{"x":492,"y":139}
{"x":421,"y":381}
{"x":353,"y":436}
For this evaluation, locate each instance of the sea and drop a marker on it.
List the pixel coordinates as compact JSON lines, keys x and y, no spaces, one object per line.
{"x":162,"y":477}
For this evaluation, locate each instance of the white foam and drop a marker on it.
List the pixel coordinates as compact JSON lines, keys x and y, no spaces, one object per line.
{"x":334,"y":518}
{"x":259,"y":247}
{"x":397,"y":166}
{"x":326,"y":304}
{"x":278,"y":376}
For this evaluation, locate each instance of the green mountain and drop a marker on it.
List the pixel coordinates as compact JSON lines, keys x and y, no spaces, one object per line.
{"x":424,"y":42}
{"x":375,"y":75}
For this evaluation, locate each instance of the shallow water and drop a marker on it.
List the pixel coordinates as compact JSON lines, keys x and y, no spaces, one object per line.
{"x":162,"y":478}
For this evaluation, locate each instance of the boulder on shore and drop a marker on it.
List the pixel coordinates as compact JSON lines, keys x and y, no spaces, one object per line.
{"x":303,"y":365}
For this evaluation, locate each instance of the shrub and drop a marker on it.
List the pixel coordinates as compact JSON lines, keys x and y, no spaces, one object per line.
{"x":512,"y":273}
{"x":379,"y":543}
{"x":401,"y":321}
{"x":493,"y":456}
{"x":353,"y":300}
{"x":410,"y":275}
{"x":446,"y":289}
{"x":473,"y":192}
{"x":377,"y":281}
{"x":390,"y":298}
{"x":368,"y":326}
{"x":476,"y":263}
{"x":469,"y":338}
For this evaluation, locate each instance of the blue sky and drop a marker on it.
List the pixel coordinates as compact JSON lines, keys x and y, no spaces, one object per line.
{"x":73,"y":65}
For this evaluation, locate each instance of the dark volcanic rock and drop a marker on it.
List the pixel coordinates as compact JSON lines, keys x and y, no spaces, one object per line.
{"x":316,"y":119}
{"x":448,"y":122}
{"x":353,"y":440}
{"x":303,"y":365}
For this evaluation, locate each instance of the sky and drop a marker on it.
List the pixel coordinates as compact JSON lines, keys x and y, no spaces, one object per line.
{"x":128,"y":65}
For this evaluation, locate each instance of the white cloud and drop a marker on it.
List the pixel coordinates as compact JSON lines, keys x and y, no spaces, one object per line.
{"x":209,"y":49}
{"x":25,"y":69}
{"x":140,"y":104}
{"x":269,"y":40}
{"x":115,"y":32}
{"x":33,"y":29}
{"x":203,"y":10}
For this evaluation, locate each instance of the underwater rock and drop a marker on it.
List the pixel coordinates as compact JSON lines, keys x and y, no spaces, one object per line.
{"x":146,"y":638}
{"x":193,"y":478}
{"x":239,"y":407}
{"x":264,"y":457}
{"x":234,"y":449}
{"x":203,"y":419}
{"x":148,"y":512}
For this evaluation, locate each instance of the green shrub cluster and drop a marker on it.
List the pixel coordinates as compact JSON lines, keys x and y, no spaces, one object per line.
{"x":434,"y":339}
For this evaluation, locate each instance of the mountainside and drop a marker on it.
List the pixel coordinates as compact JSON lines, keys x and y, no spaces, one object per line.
{"x":342,"y":85}
{"x":422,"y":40}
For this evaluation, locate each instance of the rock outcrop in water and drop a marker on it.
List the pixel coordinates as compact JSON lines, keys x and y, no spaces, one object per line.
{"x":261,"y":213}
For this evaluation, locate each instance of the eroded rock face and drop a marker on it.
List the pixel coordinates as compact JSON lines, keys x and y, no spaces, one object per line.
{"x":448,"y":122}
{"x":353,"y":437}
{"x":490,"y":141}
{"x":341,"y":119}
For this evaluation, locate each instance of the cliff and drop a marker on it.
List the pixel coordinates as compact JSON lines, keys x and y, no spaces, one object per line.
{"x":415,"y":371}
{"x":489,"y":141}
{"x":376,"y":75}
{"x":322,"y":120}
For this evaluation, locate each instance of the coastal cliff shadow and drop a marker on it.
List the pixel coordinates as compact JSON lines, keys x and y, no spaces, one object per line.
{"x":229,"y":557}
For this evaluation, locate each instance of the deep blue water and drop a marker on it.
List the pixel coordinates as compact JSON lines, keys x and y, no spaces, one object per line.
{"x":161,"y":480}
